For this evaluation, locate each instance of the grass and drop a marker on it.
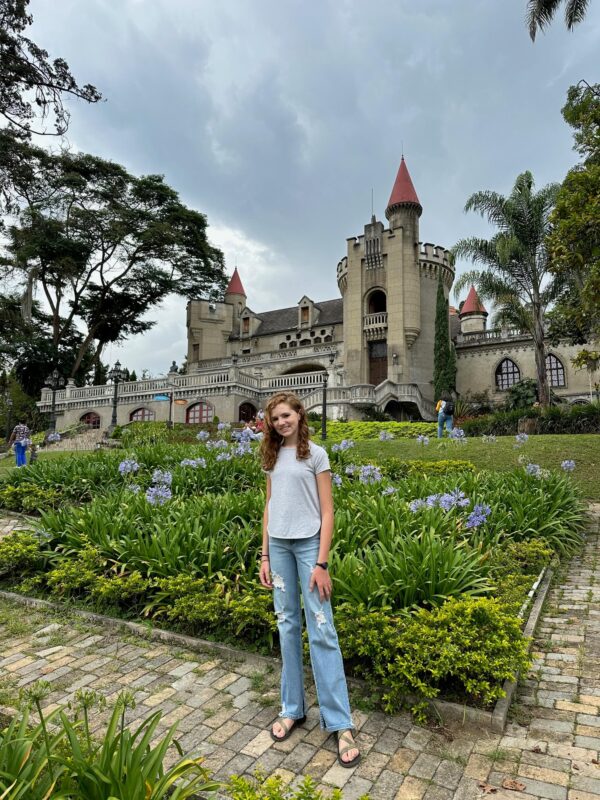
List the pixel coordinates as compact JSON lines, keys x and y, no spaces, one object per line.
{"x":8,"y":463}
{"x":546,"y":450}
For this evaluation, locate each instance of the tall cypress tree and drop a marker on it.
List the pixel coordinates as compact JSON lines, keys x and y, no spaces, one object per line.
{"x":441,"y":353}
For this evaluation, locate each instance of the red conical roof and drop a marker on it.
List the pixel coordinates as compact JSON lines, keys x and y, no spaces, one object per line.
{"x":472,"y":304}
{"x":403,"y":191}
{"x":235,"y":284}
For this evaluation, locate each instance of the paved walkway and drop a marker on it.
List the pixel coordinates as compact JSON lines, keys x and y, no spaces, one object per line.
{"x":549,"y":750}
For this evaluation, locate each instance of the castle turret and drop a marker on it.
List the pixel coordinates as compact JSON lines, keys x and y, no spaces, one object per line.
{"x":235,"y":296}
{"x":403,"y":212}
{"x":472,"y":313}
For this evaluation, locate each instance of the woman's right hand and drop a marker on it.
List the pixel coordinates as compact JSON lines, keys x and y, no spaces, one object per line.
{"x":264,"y":574}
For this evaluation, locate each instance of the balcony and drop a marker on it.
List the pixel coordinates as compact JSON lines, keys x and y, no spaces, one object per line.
{"x":375,"y":325}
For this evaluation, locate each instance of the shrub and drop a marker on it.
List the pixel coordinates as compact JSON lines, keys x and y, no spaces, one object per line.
{"x":466,"y":646}
{"x":76,"y":576}
{"x":123,"y":589}
{"x":273,"y":788}
{"x":360,"y":431}
{"x":19,"y":553}
{"x":555,"y":419}
{"x":28,"y":497}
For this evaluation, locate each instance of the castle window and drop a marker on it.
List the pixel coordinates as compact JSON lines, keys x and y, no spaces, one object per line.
{"x":141,"y":415}
{"x":199,"y":412}
{"x":195,"y":352}
{"x":323,"y":332}
{"x":245,"y":351}
{"x":288,"y":337}
{"x":293,"y":344}
{"x":298,"y":335}
{"x":327,"y":339}
{"x":91,"y":419}
{"x":304,"y":342}
{"x":246,"y":325}
{"x":304,"y":315}
{"x":556,"y":371}
{"x":283,"y":346}
{"x":507,"y":374}
{"x":377,"y":302}
{"x":317,"y":340}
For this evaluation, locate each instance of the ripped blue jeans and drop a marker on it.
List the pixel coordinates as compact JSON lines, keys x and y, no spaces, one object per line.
{"x":292,"y":563}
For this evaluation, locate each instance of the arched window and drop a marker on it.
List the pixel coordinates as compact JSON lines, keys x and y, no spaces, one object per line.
{"x":91,"y":419}
{"x":199,"y":412}
{"x":507,"y":374}
{"x":141,"y":415}
{"x":556,"y":371}
{"x":376,"y":302}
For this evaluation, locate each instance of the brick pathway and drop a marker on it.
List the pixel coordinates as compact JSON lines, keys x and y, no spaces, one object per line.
{"x":550,"y":748}
{"x":9,"y":524}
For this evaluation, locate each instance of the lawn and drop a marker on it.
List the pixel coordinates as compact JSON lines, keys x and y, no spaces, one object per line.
{"x":547,"y":451}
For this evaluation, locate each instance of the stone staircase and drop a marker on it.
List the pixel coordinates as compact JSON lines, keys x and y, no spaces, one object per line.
{"x":87,"y":440}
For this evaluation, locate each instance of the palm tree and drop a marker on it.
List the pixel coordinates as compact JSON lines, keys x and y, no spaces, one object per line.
{"x":516,"y":275}
{"x":540,"y":13}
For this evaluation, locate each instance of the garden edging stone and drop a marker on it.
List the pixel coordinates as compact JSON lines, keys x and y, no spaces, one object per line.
{"x":494,"y":720}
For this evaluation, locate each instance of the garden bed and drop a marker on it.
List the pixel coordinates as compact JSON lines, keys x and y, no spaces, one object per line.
{"x":429,"y":570}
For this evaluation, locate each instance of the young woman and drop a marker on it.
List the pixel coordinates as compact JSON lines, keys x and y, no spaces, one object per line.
{"x":297,"y":531}
{"x":445,"y":412}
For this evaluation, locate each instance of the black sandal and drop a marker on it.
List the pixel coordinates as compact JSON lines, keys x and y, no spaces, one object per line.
{"x":351,"y":745}
{"x":287,"y":727}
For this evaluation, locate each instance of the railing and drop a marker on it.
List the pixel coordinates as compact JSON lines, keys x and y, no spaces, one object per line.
{"x":299,"y":353}
{"x":476,"y":337}
{"x":302,"y":380}
{"x":378,"y":320}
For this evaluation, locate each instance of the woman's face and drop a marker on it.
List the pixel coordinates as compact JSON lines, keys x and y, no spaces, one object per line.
{"x":285,"y":421}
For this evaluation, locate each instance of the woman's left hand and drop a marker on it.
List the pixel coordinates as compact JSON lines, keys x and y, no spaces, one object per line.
{"x":322,"y":580}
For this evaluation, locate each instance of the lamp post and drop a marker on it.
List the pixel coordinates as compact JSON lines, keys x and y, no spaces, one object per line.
{"x":324,"y":409}
{"x":116,"y":375}
{"x":173,"y":370}
{"x":54,"y":381}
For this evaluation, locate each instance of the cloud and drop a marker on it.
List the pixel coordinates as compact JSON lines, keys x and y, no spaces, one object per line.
{"x":277,"y":119}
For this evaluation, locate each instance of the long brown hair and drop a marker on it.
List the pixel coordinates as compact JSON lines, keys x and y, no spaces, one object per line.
{"x":272,"y":441}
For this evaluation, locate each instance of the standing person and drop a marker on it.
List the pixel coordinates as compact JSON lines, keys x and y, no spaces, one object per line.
{"x":297,"y":533}
{"x":20,"y":438}
{"x":445,"y":409}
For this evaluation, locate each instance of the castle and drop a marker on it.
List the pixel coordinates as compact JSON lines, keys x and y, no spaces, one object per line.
{"x":371,"y":347}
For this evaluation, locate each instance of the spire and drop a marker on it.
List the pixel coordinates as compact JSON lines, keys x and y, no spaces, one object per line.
{"x":403,"y":193}
{"x":472,"y":304}
{"x":235,"y":284}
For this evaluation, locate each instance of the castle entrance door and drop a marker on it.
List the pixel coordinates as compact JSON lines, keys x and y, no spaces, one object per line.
{"x":377,"y":362}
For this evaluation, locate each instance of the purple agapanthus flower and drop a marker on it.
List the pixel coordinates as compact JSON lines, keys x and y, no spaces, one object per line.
{"x":422,"y":439}
{"x":415,"y":505}
{"x":243,"y":448}
{"x":534,"y":470}
{"x":454,"y":499}
{"x":128,"y":465}
{"x":336,"y":479}
{"x":135,"y":488}
{"x":385,"y":436}
{"x":345,"y":444}
{"x":388,"y":490}
{"x":478,"y":516}
{"x":568,"y":465}
{"x":158,"y":495}
{"x":53,"y":437}
{"x":521,"y":438}
{"x":223,"y":456}
{"x":458,"y":435}
{"x":202,"y":436}
{"x":369,"y":473}
{"x":223,"y":426}
{"x":162,"y":477}
{"x":350,"y":469}
{"x":193,"y":462}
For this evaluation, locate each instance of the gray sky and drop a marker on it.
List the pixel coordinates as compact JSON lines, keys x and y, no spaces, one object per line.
{"x":276,"y":118}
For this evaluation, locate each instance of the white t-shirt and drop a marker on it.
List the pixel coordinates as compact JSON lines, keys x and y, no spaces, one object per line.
{"x":294,"y":510}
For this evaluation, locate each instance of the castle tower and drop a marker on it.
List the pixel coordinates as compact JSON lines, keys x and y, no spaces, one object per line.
{"x":235,"y":296}
{"x":472,"y":314}
{"x":404,"y":285}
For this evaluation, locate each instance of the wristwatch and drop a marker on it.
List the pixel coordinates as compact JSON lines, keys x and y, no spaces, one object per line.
{"x":322,"y":564}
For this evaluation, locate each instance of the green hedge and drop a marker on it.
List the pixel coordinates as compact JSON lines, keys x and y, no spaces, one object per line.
{"x":556,"y":419}
{"x":362,"y":431}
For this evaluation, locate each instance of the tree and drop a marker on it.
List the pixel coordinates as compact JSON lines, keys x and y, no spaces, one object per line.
{"x":103,"y":246}
{"x":540,"y":13}
{"x":30,"y":84}
{"x":516,"y":262}
{"x":574,"y":241}
{"x":443,"y":380}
